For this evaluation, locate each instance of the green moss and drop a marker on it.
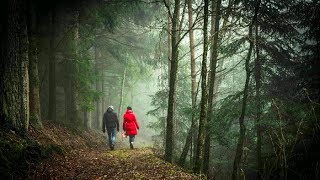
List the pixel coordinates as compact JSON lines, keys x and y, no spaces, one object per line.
{"x":121,"y":154}
{"x":34,"y":119}
{"x":17,"y":154}
{"x":53,"y":148}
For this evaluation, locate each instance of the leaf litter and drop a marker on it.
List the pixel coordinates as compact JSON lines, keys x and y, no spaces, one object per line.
{"x":86,"y":156}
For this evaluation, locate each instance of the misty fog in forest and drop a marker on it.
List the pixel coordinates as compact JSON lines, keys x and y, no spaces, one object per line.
{"x":220,"y":89}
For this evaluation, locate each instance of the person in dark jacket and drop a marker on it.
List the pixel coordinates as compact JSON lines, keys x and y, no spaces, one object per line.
{"x":111,"y":123}
{"x":130,"y":125}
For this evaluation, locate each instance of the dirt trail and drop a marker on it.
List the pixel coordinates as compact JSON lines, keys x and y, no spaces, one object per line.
{"x":87,"y":157}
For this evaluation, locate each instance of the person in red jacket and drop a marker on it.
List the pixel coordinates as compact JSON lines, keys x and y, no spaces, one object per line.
{"x":130,"y":125}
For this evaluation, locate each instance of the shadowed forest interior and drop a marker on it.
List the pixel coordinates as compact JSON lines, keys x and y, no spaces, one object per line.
{"x":221,"y":89}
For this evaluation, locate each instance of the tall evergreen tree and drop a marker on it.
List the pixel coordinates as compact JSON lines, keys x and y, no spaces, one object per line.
{"x":173,"y":80}
{"x":204,"y":94}
{"x":257,"y":77}
{"x":215,"y":23}
{"x":239,"y":150}
{"x":193,"y":75}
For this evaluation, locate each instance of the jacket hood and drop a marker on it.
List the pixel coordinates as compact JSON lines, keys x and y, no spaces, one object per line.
{"x":109,"y":109}
{"x":129,"y":111}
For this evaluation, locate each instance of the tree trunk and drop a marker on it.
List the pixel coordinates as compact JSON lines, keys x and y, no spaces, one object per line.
{"x":169,"y":40}
{"x":204,"y":95}
{"x":220,"y":62}
{"x":52,"y":70}
{"x":188,"y":142}
{"x":99,"y":111}
{"x":258,"y":104}
{"x":86,"y":122}
{"x":14,"y":88}
{"x":34,"y":94}
{"x":215,"y":21}
{"x":72,"y":55}
{"x":103,"y":98}
{"x":239,"y":150}
{"x":121,"y":90}
{"x":173,"y":80}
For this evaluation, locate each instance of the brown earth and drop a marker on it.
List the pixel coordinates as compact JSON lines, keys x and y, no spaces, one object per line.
{"x":86,"y":156}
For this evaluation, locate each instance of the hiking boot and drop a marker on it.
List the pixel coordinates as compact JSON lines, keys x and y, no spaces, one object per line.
{"x":112,"y":147}
{"x":131,"y":145}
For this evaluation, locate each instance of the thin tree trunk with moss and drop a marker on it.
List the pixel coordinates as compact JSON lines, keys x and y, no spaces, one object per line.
{"x":122,"y":90}
{"x":188,"y":142}
{"x":34,"y":94}
{"x":215,"y":21}
{"x":204,"y":95}
{"x":258,"y":104}
{"x":169,"y":30}
{"x":239,"y":150}
{"x":169,"y":146}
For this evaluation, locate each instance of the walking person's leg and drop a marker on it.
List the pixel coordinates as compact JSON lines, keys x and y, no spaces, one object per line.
{"x":113,"y":138}
{"x":110,"y":138}
{"x":131,"y":140}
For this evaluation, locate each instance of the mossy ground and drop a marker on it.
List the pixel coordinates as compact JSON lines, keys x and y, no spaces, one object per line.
{"x":18,"y":153}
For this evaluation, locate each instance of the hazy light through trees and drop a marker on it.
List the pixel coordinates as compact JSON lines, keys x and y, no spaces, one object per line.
{"x":216,"y":85}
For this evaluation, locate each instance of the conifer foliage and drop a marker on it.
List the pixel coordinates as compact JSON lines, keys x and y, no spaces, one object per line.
{"x":253,"y":112}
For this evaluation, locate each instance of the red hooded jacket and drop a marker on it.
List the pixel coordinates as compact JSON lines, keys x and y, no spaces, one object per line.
{"x":130,"y":124}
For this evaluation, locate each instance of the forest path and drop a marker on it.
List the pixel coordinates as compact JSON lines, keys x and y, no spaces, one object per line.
{"x":86,"y":156}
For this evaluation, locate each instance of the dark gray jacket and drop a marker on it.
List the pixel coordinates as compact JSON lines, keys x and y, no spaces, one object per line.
{"x":110,"y":120}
